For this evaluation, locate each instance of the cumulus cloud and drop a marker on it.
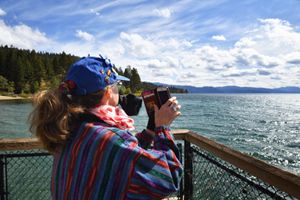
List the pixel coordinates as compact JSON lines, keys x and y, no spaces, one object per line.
{"x":165,"y":13}
{"x":273,"y":37}
{"x":249,"y":60}
{"x":84,"y":35}
{"x":218,"y":37}
{"x":22,"y":36}
{"x":245,"y":43}
{"x":168,"y":63}
{"x":155,"y":63}
{"x":292,"y":58}
{"x":213,"y":59}
{"x":187,"y":44}
{"x":138,"y":46}
{"x":263,"y":72}
{"x":276,"y":77}
{"x":2,"y":12}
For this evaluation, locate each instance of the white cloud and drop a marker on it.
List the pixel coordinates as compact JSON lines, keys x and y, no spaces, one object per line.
{"x":239,"y":73}
{"x":273,"y":37}
{"x":97,"y":13}
{"x":187,"y":44}
{"x":84,"y":35}
{"x":22,"y":36}
{"x":165,"y":13}
{"x":245,"y":43}
{"x":276,"y":77}
{"x":169,"y":63}
{"x":137,"y":46}
{"x":218,"y":37}
{"x":292,"y":58}
{"x":246,"y":63}
{"x":2,"y":12}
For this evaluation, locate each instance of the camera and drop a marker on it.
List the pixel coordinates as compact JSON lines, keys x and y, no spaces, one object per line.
{"x":158,"y":96}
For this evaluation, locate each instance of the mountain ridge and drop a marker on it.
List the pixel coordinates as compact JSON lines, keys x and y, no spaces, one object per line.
{"x":233,"y":89}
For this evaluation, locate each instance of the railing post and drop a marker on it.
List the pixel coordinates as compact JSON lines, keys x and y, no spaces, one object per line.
{"x":180,"y":195}
{"x":2,"y":193}
{"x":188,"y":171}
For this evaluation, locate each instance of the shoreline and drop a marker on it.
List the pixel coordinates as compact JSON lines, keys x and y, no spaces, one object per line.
{"x":11,"y":98}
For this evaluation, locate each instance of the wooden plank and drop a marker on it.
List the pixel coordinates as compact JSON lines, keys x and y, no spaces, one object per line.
{"x":179,"y":134}
{"x":19,"y":144}
{"x":279,"y":178}
{"x":33,"y":143}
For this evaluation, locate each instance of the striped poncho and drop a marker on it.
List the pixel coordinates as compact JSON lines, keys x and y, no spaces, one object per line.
{"x":103,"y":162}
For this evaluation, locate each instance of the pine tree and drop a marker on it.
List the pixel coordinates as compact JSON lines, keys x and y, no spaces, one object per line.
{"x":57,"y":68}
{"x":40,"y":70}
{"x":10,"y":63}
{"x":26,"y":88}
{"x":135,"y":81}
{"x":3,"y":83}
{"x":11,"y":86}
{"x":49,"y":69}
{"x":2,"y":63}
{"x":35,"y":87}
{"x":127,"y":73}
{"x":29,"y":75}
{"x":19,"y":76}
{"x":32,"y":57}
{"x":65,"y":61}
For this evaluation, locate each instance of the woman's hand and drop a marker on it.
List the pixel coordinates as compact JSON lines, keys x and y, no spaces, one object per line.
{"x":166,"y":114}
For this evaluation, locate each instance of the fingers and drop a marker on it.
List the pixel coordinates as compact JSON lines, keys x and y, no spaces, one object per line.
{"x":174,"y":105}
{"x":165,"y":115}
{"x":172,"y":99}
{"x":177,"y":108}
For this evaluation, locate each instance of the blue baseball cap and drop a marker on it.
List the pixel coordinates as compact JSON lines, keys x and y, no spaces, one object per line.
{"x":92,"y":74}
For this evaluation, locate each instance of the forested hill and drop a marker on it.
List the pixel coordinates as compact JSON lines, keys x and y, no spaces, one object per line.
{"x":29,"y":71}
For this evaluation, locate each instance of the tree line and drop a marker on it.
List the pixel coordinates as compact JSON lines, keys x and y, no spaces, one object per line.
{"x":25,"y":71}
{"x":30,"y":71}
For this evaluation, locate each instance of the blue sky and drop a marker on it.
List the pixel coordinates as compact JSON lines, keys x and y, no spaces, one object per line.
{"x":201,"y":43}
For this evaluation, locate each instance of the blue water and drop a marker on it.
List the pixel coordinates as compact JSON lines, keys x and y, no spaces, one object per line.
{"x":265,"y":126}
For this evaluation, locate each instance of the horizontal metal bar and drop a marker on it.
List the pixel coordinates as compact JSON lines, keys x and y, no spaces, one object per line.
{"x":19,"y":155}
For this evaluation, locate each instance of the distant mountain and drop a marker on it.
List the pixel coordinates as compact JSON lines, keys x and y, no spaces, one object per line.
{"x":234,"y":89}
{"x":289,"y":89}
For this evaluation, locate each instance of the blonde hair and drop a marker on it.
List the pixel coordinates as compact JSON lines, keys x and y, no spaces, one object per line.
{"x":55,"y":116}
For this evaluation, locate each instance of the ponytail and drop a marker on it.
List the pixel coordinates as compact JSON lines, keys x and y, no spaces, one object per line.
{"x":55,"y":116}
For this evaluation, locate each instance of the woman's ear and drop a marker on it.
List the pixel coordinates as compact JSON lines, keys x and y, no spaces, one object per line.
{"x":107,"y":96}
{"x":109,"y":92}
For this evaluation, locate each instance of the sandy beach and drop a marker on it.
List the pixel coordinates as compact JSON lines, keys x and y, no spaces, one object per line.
{"x":10,"y":98}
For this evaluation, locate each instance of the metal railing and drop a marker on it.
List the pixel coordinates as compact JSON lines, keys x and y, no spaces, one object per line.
{"x":25,"y":174}
{"x":211,"y":171}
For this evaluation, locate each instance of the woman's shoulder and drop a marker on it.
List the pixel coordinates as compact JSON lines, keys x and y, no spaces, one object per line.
{"x":103,"y":129}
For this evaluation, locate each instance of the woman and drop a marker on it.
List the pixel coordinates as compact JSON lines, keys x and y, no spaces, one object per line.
{"x":95,"y":156}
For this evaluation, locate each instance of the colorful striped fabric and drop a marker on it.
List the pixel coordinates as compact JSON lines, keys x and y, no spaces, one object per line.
{"x":102,"y":162}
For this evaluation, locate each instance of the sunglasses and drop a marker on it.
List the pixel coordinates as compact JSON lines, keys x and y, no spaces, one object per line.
{"x":118,"y":84}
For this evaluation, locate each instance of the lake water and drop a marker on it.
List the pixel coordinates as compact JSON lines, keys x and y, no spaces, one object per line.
{"x":265,"y":126}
